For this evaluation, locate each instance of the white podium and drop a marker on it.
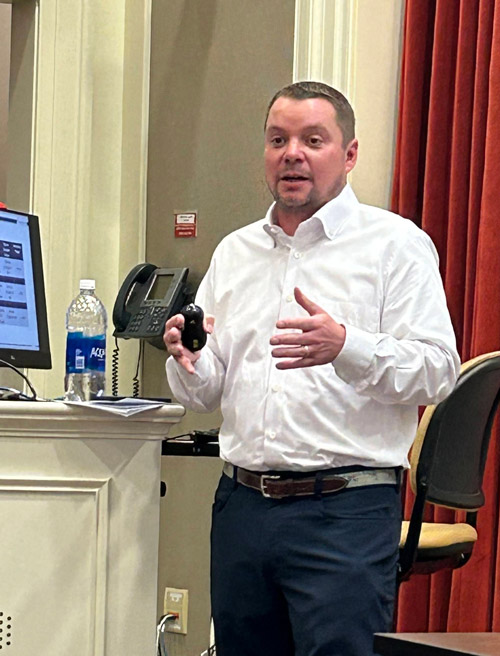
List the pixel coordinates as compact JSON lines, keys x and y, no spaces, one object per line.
{"x":79,"y":529}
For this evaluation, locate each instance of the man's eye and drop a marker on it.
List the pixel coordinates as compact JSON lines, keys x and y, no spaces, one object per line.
{"x":315,"y":141}
{"x":277,"y":141}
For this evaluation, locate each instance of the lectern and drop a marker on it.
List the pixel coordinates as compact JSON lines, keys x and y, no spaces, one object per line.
{"x":79,"y":526}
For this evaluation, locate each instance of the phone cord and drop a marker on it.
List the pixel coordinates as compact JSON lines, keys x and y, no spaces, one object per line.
{"x":114,"y":369}
{"x":136,"y":388}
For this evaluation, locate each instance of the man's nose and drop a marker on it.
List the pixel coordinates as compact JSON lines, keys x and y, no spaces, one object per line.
{"x":293,"y":150}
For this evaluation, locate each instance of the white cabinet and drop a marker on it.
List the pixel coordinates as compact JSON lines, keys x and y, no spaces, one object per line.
{"x":79,"y":527}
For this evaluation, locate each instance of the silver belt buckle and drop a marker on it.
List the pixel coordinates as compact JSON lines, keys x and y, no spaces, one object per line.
{"x":263,"y":483}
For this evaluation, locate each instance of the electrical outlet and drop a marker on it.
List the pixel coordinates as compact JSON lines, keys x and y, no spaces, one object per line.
{"x":176,"y":602}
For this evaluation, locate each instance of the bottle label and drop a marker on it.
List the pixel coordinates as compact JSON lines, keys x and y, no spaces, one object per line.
{"x":97,"y":353}
{"x":85,"y":354}
{"x":76,"y":360}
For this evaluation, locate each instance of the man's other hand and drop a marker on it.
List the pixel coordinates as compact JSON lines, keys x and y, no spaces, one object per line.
{"x":320,"y":341}
{"x":172,"y":338}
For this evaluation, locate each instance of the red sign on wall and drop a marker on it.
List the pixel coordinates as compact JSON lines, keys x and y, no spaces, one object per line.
{"x":185,"y":224}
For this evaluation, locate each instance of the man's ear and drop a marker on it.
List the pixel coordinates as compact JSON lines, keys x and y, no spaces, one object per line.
{"x":351,"y":155}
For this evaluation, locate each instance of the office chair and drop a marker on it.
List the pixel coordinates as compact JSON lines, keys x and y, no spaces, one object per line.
{"x":447,"y":465}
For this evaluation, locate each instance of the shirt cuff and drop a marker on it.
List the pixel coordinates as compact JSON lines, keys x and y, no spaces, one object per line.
{"x":355,"y":358}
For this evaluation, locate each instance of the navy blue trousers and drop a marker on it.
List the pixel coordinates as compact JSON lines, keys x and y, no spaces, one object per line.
{"x":310,"y":576}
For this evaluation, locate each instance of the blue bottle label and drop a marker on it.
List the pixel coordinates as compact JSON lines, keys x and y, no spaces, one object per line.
{"x":97,"y":353}
{"x":76,"y":356}
{"x":85,"y":354}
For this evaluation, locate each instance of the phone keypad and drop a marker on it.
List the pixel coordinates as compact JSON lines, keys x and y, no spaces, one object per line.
{"x":156,"y":319}
{"x":153,"y":317}
{"x":136,"y":322}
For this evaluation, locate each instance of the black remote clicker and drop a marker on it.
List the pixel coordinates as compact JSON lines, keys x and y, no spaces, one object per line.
{"x":194,"y":336}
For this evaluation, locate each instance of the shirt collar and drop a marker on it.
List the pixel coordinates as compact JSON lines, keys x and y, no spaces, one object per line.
{"x":332,"y":215}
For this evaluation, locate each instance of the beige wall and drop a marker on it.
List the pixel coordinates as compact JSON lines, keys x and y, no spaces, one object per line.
{"x":354,"y":45}
{"x":215,"y":64}
{"x":7,"y":377}
{"x":376,"y":57}
{"x":78,"y":123}
{"x":5,"y":19}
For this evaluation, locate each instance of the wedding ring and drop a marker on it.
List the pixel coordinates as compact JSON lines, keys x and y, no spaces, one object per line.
{"x":306,"y":350}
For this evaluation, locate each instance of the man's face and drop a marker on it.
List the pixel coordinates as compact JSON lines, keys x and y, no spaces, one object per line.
{"x":306,"y":163}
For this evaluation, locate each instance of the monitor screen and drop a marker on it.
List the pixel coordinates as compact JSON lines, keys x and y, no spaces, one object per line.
{"x":24,"y":337}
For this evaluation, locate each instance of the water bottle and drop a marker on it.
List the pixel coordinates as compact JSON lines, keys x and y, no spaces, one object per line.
{"x":86,"y":323}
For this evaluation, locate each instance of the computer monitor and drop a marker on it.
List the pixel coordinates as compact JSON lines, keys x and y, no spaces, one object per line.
{"x":24,"y":336}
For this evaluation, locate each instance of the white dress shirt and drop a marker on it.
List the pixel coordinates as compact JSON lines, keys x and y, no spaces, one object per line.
{"x":372,"y":271}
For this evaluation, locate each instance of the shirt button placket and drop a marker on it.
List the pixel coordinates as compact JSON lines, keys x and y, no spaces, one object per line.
{"x":274,"y":405}
{"x":290,"y":282}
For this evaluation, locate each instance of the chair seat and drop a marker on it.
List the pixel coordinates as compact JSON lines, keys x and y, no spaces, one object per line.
{"x":453,"y":537}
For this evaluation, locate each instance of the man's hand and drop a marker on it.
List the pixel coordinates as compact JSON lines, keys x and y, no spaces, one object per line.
{"x":320,"y":341}
{"x":173,"y":341}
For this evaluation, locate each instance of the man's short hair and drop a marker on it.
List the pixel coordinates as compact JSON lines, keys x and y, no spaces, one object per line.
{"x":303,"y":90}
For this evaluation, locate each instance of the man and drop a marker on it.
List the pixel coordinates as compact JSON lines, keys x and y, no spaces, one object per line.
{"x":330,"y":328}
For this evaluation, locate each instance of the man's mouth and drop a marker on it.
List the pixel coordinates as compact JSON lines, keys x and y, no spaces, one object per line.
{"x":294,"y":177}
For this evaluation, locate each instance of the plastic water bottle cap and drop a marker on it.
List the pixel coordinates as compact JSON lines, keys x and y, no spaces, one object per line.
{"x":87,"y":284}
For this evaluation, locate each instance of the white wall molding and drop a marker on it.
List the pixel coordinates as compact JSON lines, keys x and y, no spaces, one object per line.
{"x":355,"y":46}
{"x":325,"y":42}
{"x":88,"y":174}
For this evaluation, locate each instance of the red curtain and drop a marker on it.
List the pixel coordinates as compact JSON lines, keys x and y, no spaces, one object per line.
{"x":447,"y":180}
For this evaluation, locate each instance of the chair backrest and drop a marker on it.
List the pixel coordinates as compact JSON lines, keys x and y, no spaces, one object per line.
{"x":449,"y":452}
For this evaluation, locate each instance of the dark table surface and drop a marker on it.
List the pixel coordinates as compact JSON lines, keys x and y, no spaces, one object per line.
{"x":437,"y":644}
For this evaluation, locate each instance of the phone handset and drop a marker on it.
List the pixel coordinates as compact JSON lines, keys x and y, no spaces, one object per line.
{"x":125,"y":300}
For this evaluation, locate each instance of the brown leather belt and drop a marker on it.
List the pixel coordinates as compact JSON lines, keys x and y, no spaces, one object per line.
{"x":287,"y":484}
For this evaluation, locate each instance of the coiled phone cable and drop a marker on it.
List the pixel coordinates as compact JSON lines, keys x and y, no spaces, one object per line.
{"x":137,"y":384}
{"x":115,"y":367}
